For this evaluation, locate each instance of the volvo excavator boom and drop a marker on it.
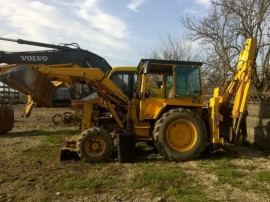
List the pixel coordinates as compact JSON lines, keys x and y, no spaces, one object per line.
{"x":61,"y":54}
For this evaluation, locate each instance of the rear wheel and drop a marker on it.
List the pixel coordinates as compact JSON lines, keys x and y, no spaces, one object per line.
{"x":95,"y":145}
{"x":180,"y":134}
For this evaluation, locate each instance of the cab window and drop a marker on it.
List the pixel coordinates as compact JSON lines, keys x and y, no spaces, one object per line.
{"x":126,"y":81}
{"x":187,"y":81}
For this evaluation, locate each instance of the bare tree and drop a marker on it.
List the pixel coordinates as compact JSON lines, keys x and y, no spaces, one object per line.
{"x":222,"y":33}
{"x":174,"y":48}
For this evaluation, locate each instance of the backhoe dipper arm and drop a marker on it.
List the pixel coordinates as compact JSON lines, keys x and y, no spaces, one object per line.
{"x":238,"y":87}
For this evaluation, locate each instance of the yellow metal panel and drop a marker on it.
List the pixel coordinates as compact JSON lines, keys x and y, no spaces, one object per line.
{"x":122,"y":69}
{"x":151,"y":108}
{"x":214,"y":118}
{"x":87,"y":115}
{"x":143,"y":129}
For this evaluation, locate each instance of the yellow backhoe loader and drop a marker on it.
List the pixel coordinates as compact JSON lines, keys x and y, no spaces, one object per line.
{"x":174,"y":121}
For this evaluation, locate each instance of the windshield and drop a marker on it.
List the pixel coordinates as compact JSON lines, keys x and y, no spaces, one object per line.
{"x":187,"y":81}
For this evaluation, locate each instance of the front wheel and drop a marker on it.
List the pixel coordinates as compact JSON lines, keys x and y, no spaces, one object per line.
{"x":180,"y":134}
{"x":95,"y":145}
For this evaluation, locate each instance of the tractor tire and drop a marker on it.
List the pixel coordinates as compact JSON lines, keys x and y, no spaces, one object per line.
{"x":95,"y":145}
{"x":57,"y":119}
{"x":179,"y":135}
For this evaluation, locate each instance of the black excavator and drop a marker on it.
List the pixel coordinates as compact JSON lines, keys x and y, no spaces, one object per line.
{"x":29,"y":81}
{"x":60,"y":54}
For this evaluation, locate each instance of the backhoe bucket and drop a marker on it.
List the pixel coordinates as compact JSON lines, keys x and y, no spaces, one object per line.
{"x":31,"y":82}
{"x":6,"y":118}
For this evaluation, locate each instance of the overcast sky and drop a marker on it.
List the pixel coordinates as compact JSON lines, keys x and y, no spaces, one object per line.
{"x":121,"y":31}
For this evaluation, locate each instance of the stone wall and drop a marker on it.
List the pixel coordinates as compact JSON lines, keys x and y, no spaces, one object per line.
{"x":258,"y":123}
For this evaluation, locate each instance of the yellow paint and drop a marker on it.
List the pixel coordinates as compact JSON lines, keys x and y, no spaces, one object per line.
{"x":143,"y":129}
{"x":181,"y":135}
{"x":28,"y":107}
{"x":95,"y":146}
{"x":239,"y":86}
{"x":87,"y":115}
{"x":151,"y":108}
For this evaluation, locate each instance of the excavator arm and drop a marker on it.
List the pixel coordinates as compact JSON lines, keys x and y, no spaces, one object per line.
{"x":59,"y":54}
{"x":238,"y":88}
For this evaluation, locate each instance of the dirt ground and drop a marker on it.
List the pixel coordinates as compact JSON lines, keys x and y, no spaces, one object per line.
{"x":30,"y":170}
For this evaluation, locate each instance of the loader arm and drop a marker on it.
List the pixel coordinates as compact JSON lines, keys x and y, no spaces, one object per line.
{"x":107,"y":90}
{"x":238,"y":88}
{"x":72,"y":73}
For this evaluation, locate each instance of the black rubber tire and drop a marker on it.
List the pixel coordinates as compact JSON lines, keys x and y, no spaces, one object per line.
{"x":160,"y":136}
{"x":91,"y":133}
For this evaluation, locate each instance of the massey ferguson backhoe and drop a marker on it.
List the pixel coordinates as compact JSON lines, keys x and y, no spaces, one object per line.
{"x":174,"y":122}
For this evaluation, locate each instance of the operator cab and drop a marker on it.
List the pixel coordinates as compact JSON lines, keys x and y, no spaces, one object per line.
{"x":173,"y":79}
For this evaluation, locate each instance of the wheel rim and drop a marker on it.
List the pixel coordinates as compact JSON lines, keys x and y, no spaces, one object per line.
{"x":181,"y":135}
{"x":95,"y":146}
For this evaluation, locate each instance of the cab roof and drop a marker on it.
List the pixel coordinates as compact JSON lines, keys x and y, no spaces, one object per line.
{"x":170,"y":62}
{"x":163,"y":66}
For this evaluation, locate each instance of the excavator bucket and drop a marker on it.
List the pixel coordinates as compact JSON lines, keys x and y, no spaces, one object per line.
{"x":6,"y":118}
{"x":31,"y":82}
{"x":69,"y":152}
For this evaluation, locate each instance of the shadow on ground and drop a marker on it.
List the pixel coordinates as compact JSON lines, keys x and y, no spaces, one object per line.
{"x":39,"y":133}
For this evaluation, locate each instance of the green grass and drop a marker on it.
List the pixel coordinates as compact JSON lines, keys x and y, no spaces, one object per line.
{"x":168,"y":181}
{"x":50,"y":146}
{"x":84,"y":184}
{"x":226,"y":172}
{"x":235,"y":176}
{"x":88,"y":184}
{"x":263,"y":176}
{"x":26,"y":184}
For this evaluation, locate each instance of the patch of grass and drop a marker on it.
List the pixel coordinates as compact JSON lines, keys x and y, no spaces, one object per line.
{"x":53,"y":139}
{"x":87,"y":184}
{"x":169,"y":182}
{"x":49,"y":147}
{"x":84,"y":184}
{"x":45,"y":199}
{"x":226,"y":172}
{"x":263,"y":176}
{"x":234,"y":175}
{"x":29,"y":183}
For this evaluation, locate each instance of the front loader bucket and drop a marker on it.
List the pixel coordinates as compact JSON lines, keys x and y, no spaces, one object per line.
{"x":6,"y":118}
{"x":31,"y":82}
